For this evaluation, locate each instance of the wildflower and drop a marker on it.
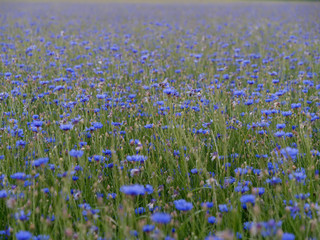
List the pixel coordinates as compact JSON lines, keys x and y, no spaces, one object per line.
{"x":66,"y":127}
{"x":19,"y":176}
{"x":76,"y":153}
{"x":41,"y":237}
{"x":288,"y":236}
{"x":212,"y":220}
{"x":137,"y":158}
{"x":223,"y":208}
{"x":3,"y":194}
{"x":140,"y":210}
{"x":162,"y":218}
{"x":274,"y":180}
{"x":183,"y":205}
{"x":245,"y":199}
{"x":133,"y":190}
{"x":289,"y":152}
{"x":40,"y":161}
{"x":149,"y":125}
{"x":23,"y":235}
{"x":148,"y":228}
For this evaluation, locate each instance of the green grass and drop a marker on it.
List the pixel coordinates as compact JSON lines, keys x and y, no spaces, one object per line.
{"x":228,"y":139}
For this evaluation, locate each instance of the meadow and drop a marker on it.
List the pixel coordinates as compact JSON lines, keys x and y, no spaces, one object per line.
{"x":159,"y":121}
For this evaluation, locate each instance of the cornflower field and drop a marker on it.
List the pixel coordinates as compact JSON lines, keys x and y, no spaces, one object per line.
{"x":159,"y":121}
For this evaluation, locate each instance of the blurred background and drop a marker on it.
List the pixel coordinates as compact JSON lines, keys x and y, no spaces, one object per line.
{"x":157,"y":1}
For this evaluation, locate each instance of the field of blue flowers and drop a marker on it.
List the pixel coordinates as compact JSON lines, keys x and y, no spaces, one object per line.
{"x":149,"y":121}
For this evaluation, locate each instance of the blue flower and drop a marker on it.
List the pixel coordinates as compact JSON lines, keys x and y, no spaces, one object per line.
{"x":163,"y":218}
{"x":212,"y":220}
{"x":140,"y":210}
{"x":207,"y":204}
{"x":19,"y":176}
{"x":148,"y":228}
{"x":274,"y":180}
{"x":76,"y":153}
{"x":40,"y":161}
{"x":223,"y":208}
{"x":3,"y":194}
{"x":41,"y":237}
{"x":149,"y":189}
{"x":183,"y":205}
{"x":247,"y":199}
{"x":289,"y":152}
{"x":133,"y":190}
{"x":194,"y":171}
{"x":97,"y":125}
{"x":149,"y":125}
{"x":137,"y":158}
{"x":23,"y":235}
{"x":66,"y":127}
{"x":288,"y":236}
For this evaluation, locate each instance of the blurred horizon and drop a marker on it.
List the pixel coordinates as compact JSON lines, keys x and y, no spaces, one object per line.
{"x":153,"y":1}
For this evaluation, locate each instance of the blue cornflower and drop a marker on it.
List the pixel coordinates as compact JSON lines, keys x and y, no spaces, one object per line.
{"x":136,"y":158}
{"x":194,"y":171}
{"x":19,"y":176}
{"x":97,"y":125}
{"x":66,"y":127}
{"x":207,"y":204}
{"x":247,"y":199}
{"x":274,"y":180}
{"x":281,"y":126}
{"x":133,"y":190}
{"x":41,"y":237}
{"x":279,"y":134}
{"x":148,"y":228}
{"x":163,"y":218}
{"x":140,"y":210}
{"x":23,"y":235}
{"x":289,"y":152}
{"x":212,"y":220}
{"x":288,"y":236}
{"x":223,"y":208}
{"x":76,"y":153}
{"x":40,"y":161}
{"x":183,"y":205}
{"x":149,"y":189}
{"x":3,"y":194}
